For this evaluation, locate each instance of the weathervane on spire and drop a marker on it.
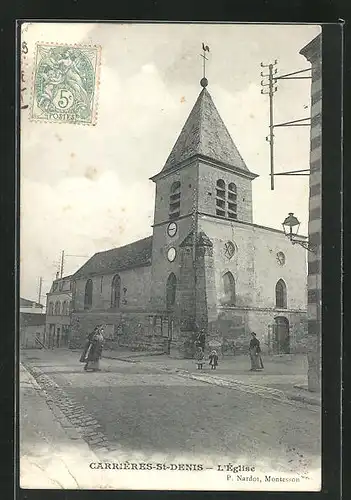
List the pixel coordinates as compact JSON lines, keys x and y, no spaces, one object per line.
{"x":205,"y":48}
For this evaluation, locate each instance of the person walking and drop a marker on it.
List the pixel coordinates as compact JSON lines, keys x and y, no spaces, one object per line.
{"x":93,"y":350}
{"x":255,"y":353}
{"x":213,"y":357}
{"x":201,"y":339}
{"x":199,"y":357}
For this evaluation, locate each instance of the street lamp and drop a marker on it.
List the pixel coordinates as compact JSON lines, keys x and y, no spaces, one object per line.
{"x":291,"y":226}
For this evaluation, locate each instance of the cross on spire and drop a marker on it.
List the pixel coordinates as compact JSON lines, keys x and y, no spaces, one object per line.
{"x":205,"y":48}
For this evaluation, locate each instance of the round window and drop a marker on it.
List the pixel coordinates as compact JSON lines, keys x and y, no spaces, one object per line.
{"x":281,"y":258}
{"x":171,"y":254}
{"x":229,"y":249}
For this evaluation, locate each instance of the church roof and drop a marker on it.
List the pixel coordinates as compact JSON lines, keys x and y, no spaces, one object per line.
{"x":205,"y":134}
{"x":129,"y":256}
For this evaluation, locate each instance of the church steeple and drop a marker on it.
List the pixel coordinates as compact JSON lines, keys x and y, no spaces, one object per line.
{"x":205,"y":135}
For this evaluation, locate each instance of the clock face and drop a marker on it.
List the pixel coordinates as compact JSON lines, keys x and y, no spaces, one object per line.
{"x":281,"y":258}
{"x":171,"y":254}
{"x":172,"y":229}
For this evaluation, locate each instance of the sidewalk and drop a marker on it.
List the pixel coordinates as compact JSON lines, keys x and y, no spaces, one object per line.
{"x":283,"y":376}
{"x":52,"y":453}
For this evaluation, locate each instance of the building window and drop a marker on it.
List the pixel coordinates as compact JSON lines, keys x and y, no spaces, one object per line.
{"x":226,"y":200}
{"x":116,"y":291}
{"x":88,"y":296}
{"x":229,"y":249}
{"x":70,"y":307}
{"x":171,"y":289}
{"x":229,"y":289}
{"x":51,"y":309}
{"x":64,"y":308}
{"x":280,"y":295}
{"x":174,"y":201}
{"x":57,"y":308}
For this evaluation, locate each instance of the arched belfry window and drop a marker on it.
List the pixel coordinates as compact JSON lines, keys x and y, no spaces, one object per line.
{"x":220,"y":198}
{"x":116,"y":291}
{"x":171,"y":290}
{"x":280,"y":295}
{"x":88,"y":296}
{"x":232,"y":201}
{"x":226,"y":200}
{"x":174,"y":200}
{"x":64,"y":308}
{"x":229,"y":289}
{"x":51,"y":308}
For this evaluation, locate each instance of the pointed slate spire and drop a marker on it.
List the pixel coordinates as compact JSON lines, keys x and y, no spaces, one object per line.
{"x":205,"y":134}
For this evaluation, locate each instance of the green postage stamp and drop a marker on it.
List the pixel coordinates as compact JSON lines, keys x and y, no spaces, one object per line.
{"x":65,"y":83}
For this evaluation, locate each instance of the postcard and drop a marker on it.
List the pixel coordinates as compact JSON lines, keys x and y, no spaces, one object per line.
{"x":170,"y":278}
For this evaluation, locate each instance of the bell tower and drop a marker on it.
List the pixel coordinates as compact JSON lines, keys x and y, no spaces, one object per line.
{"x":204,"y":176}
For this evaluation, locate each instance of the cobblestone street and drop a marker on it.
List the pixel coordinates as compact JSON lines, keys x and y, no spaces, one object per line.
{"x":136,"y":411}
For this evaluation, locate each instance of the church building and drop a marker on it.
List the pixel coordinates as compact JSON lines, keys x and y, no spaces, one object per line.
{"x":206,"y":266}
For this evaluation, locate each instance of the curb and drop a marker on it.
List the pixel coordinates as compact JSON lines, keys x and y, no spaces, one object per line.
{"x":72,"y":416}
{"x":126,"y":360}
{"x":68,"y":428}
{"x":303,"y":399}
{"x":263,"y":391}
{"x":132,"y":359}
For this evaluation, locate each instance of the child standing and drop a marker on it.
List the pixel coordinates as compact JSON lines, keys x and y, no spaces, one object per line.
{"x":213,"y":357}
{"x":199,"y":357}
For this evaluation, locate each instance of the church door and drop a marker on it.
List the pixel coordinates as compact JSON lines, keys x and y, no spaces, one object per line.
{"x":282,"y":340}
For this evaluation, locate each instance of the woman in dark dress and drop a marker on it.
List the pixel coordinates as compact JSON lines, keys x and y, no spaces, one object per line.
{"x":93,"y":350}
{"x":255,"y":353}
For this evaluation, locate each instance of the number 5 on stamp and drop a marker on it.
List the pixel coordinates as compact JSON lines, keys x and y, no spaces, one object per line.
{"x":65,"y":84}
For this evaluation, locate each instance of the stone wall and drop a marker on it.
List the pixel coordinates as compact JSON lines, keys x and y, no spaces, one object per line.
{"x":136,"y":282}
{"x":161,"y":266}
{"x":28,"y":334}
{"x":136,"y":330}
{"x":187,"y":176}
{"x":254,"y":265}
{"x":234,"y":326}
{"x":313,"y":53}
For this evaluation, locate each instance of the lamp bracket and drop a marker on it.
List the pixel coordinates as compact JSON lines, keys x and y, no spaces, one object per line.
{"x":305,"y":244}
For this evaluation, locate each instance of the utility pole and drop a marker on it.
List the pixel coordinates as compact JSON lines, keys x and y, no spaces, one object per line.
{"x":271,"y":135}
{"x":271,"y":90}
{"x":62,"y":263}
{"x":271,"y":85}
{"x":40,"y":286}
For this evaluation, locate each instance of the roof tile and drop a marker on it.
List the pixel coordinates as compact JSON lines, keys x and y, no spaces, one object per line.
{"x":135,"y":254}
{"x":205,"y":133}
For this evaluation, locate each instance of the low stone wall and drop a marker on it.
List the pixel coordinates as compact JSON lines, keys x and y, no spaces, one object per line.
{"x":138,"y":331}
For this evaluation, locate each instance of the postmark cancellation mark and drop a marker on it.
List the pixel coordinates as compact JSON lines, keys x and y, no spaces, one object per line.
{"x":65,"y":84}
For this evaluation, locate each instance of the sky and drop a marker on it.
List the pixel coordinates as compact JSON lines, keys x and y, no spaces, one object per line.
{"x":85,"y":189}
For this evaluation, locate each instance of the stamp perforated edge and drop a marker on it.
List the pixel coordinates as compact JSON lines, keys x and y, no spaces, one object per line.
{"x":95,"y":109}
